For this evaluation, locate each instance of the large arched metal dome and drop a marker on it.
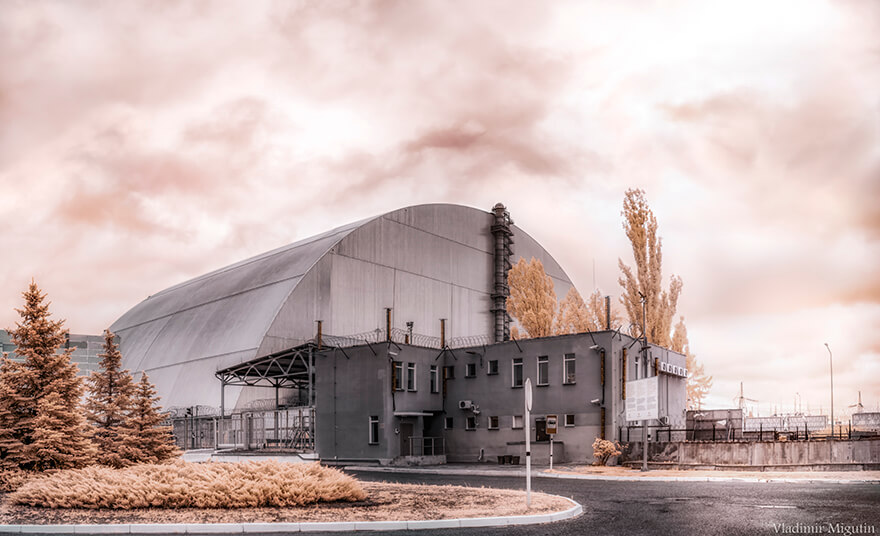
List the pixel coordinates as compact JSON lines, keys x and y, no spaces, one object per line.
{"x":425,"y":262}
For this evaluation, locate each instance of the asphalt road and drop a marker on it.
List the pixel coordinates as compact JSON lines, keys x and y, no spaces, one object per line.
{"x":671,"y":508}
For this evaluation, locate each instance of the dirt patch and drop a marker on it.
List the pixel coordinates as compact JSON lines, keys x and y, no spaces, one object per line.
{"x":384,"y":502}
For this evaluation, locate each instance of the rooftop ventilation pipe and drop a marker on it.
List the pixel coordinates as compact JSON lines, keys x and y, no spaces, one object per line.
{"x":503,"y":251}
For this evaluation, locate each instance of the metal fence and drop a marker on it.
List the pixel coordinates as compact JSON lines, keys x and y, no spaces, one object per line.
{"x":427,"y":446}
{"x":290,"y":429}
{"x":716,"y":432}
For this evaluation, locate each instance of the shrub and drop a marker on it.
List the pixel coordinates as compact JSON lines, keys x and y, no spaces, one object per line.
{"x":189,"y":485}
{"x":604,"y":449}
{"x":11,"y":479}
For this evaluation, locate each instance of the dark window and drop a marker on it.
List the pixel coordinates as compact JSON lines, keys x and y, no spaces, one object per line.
{"x":435,"y":380}
{"x":517,"y":372}
{"x":569,"y":419}
{"x":374,"y":430}
{"x":448,"y":424}
{"x":410,"y":376}
{"x":471,"y":370}
{"x":493,"y":367}
{"x":568,"y":369}
{"x":543,"y":370}
{"x":397,"y":376}
{"x":493,"y":423}
{"x":449,"y":372}
{"x":471,"y":423}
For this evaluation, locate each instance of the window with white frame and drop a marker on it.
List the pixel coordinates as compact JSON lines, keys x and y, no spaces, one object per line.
{"x":543,"y":370}
{"x":470,"y":370}
{"x":374,"y":430}
{"x":517,"y":422}
{"x":568,"y":369}
{"x":517,"y":372}
{"x":470,"y":423}
{"x":410,"y":376}
{"x":397,"y":376}
{"x":569,"y":419}
{"x":493,"y":422}
{"x":435,"y":379}
{"x":493,"y":367}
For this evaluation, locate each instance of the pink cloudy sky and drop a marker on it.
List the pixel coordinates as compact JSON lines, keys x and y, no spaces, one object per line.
{"x":144,"y":143}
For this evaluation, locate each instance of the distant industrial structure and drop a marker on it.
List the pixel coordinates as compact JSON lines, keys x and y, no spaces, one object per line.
{"x":85,"y":350}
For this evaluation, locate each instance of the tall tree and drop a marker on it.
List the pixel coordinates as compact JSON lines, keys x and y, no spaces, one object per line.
{"x":660,"y":304}
{"x":532,"y":300}
{"x":109,"y":403}
{"x":698,"y":382}
{"x":46,"y":371}
{"x":11,"y":447}
{"x":577,"y":316}
{"x":142,"y":438}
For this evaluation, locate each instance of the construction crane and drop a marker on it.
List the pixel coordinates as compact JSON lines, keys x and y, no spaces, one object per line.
{"x":741,"y":399}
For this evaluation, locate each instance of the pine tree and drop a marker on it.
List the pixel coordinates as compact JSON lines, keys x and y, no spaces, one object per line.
{"x":698,"y":382}
{"x":142,"y":438}
{"x":641,"y":229}
{"x":11,"y":447}
{"x":532,"y":300}
{"x":109,"y":403}
{"x":46,"y":371}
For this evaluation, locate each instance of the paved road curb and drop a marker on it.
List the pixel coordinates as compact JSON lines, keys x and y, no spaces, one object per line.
{"x":541,"y":474}
{"x":247,"y":528}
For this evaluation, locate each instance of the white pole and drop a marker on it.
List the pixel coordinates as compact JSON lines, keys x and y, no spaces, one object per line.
{"x":527,"y":425}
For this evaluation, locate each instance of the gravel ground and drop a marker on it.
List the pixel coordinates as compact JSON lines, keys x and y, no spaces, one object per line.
{"x":385,"y":502}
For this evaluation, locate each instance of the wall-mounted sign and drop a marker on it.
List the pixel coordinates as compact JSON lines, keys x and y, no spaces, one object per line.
{"x":642,"y":402}
{"x":674,"y":370}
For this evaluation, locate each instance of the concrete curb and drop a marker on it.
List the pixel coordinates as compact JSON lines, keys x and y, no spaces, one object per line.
{"x":346,"y":526}
{"x":574,"y":476}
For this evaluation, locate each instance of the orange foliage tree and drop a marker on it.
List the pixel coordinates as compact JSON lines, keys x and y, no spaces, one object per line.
{"x":532,"y":300}
{"x":698,"y":383}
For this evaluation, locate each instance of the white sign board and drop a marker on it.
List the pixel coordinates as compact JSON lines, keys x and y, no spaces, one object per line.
{"x":642,"y":400}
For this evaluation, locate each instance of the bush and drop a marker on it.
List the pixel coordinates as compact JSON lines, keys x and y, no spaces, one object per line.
{"x":604,"y":449}
{"x":12,"y":479}
{"x":189,"y":485}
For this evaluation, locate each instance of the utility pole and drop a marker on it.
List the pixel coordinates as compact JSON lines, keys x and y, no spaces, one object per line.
{"x":645,"y":364}
{"x":831,"y":365}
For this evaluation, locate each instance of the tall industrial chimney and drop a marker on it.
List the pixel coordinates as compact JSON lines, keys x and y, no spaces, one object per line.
{"x":503,"y":251}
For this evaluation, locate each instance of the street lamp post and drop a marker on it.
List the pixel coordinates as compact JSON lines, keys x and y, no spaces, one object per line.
{"x":831,"y":366}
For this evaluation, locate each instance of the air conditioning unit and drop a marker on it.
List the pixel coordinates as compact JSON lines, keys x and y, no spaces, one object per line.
{"x":664,"y":420}
{"x":465,"y":404}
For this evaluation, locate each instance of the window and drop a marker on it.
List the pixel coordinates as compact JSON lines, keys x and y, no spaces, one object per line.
{"x":493,"y":367}
{"x":448,"y":424}
{"x":470,"y":370}
{"x":397,"y":376}
{"x":435,"y":380}
{"x":449,"y":372}
{"x":374,"y":430}
{"x":568,"y":369}
{"x":493,"y":423}
{"x":517,"y":372}
{"x":517,"y":422}
{"x":471,"y":423}
{"x":410,"y":376}
{"x":569,"y":419}
{"x":543,"y":370}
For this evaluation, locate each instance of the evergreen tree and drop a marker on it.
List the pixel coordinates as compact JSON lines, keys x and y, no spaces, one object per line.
{"x":142,"y":439}
{"x":11,"y":447}
{"x":45,"y":371}
{"x":109,"y":402}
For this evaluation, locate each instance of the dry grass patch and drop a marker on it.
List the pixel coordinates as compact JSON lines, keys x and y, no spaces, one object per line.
{"x":190,"y":485}
{"x":384,"y":502}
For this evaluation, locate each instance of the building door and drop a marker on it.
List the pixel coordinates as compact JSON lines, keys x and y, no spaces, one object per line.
{"x":406,"y":432}
{"x":541,"y":430}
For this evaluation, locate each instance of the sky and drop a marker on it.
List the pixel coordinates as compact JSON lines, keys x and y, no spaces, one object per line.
{"x":145,"y":143}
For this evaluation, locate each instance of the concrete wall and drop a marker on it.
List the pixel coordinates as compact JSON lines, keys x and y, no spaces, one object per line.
{"x":769,"y":453}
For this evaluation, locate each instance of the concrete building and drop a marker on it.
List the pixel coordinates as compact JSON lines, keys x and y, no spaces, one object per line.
{"x":355,"y":329}
{"x":85,"y":350}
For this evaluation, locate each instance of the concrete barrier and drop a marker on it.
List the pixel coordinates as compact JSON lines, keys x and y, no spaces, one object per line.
{"x":844,"y":454}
